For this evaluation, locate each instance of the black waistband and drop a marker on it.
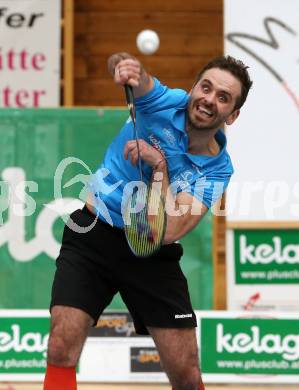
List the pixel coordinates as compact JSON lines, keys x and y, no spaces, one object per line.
{"x":85,"y":210}
{"x":173,"y":250}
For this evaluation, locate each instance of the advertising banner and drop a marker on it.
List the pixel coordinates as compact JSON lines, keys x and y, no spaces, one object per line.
{"x":23,"y":344}
{"x":145,"y":360}
{"x":114,"y":324}
{"x":47,"y":158}
{"x":263,"y":269}
{"x":38,"y":146}
{"x":268,"y":258}
{"x":263,"y":140}
{"x":234,"y":348}
{"x":262,"y":264}
{"x":23,"y":337}
{"x":30,"y":53}
{"x":114,"y":352}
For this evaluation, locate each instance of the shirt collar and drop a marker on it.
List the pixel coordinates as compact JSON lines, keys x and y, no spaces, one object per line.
{"x":200,"y":158}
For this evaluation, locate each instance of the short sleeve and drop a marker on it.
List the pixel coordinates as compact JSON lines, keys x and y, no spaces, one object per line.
{"x":160,"y":98}
{"x":209,"y":190}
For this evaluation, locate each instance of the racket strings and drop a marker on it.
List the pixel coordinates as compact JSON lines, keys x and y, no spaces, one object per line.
{"x":145,"y":230}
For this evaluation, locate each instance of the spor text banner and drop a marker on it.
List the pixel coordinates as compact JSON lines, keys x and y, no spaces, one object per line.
{"x":114,"y":324}
{"x":145,"y":359}
{"x":30,"y":53}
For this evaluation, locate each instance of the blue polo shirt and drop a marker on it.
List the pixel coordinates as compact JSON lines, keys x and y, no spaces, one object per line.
{"x":161,"y":117}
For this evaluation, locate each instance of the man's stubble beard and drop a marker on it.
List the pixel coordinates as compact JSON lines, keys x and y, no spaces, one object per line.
{"x":192,"y":126}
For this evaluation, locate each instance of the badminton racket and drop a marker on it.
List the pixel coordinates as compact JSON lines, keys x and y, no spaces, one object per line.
{"x":144,"y":214}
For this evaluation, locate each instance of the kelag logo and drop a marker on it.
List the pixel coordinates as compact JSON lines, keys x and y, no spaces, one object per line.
{"x":266,"y":257}
{"x":23,"y":345}
{"x":250,"y":346}
{"x":145,"y":359}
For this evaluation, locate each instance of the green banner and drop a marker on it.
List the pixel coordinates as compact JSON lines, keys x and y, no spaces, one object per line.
{"x":250,"y":346}
{"x":33,"y":144}
{"x":23,"y":345}
{"x":266,"y":256}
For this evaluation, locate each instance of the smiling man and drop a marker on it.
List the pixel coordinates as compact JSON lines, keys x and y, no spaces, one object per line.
{"x":182,"y":140}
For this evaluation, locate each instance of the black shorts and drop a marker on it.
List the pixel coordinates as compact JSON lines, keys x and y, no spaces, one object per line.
{"x":92,"y":267}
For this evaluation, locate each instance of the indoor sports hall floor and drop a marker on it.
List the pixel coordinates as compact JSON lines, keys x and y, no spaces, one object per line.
{"x":34,"y":386}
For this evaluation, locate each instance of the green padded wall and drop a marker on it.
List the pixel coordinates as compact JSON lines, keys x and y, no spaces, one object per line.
{"x":32,"y":144}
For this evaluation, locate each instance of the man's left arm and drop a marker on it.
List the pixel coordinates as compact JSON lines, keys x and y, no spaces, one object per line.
{"x":183,"y":214}
{"x":183,"y":210}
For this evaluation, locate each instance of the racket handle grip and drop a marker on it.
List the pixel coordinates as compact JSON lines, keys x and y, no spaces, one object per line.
{"x":129,"y":94}
{"x":130,"y":102}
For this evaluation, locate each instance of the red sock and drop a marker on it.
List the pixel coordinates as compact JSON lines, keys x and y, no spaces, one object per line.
{"x":201,"y":387}
{"x":60,"y":378}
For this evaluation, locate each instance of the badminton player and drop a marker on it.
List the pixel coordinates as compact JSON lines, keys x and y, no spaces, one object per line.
{"x":181,"y":138}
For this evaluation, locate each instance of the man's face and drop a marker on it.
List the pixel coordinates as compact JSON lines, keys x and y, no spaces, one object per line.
{"x":212,"y":100}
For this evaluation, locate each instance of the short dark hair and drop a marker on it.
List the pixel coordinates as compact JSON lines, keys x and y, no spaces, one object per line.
{"x":237,"y":68}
